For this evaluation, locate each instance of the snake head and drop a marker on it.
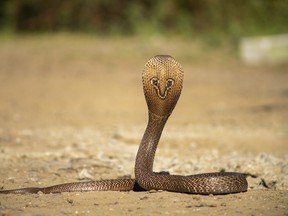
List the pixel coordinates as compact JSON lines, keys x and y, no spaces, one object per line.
{"x":162,"y":83}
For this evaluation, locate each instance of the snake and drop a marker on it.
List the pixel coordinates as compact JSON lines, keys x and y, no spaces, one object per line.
{"x":162,"y":80}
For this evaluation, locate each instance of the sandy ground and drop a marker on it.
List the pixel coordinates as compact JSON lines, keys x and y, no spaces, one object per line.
{"x":72,"y":109}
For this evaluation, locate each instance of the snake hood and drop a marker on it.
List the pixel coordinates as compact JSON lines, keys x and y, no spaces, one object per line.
{"x":162,"y":83}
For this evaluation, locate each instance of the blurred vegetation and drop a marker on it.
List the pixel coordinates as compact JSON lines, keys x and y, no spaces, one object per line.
{"x":213,"y":20}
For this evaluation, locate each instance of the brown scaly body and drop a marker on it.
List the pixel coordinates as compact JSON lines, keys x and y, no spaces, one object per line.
{"x":162,"y":83}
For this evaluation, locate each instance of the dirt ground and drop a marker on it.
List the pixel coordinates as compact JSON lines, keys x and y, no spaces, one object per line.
{"x":72,"y":109}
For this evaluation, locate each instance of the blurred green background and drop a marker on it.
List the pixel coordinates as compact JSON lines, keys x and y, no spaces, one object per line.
{"x":215,"y":21}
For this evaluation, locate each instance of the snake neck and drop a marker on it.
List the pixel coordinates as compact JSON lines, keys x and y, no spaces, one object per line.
{"x":148,"y":146}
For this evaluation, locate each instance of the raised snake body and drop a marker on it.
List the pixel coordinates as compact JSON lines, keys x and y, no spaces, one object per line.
{"x":162,"y":82}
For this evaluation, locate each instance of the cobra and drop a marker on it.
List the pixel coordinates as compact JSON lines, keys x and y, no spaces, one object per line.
{"x":162,"y":83}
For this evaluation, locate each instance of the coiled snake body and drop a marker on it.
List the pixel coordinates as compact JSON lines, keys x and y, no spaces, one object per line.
{"x":162,"y":83}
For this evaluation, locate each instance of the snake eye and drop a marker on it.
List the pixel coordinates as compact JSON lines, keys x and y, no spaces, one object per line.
{"x":154,"y":81}
{"x":169,"y":83}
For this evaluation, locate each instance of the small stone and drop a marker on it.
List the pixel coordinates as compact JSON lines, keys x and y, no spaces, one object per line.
{"x":70,"y":200}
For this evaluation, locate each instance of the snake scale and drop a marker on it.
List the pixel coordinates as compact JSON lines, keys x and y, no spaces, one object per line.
{"x":162,"y":83}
